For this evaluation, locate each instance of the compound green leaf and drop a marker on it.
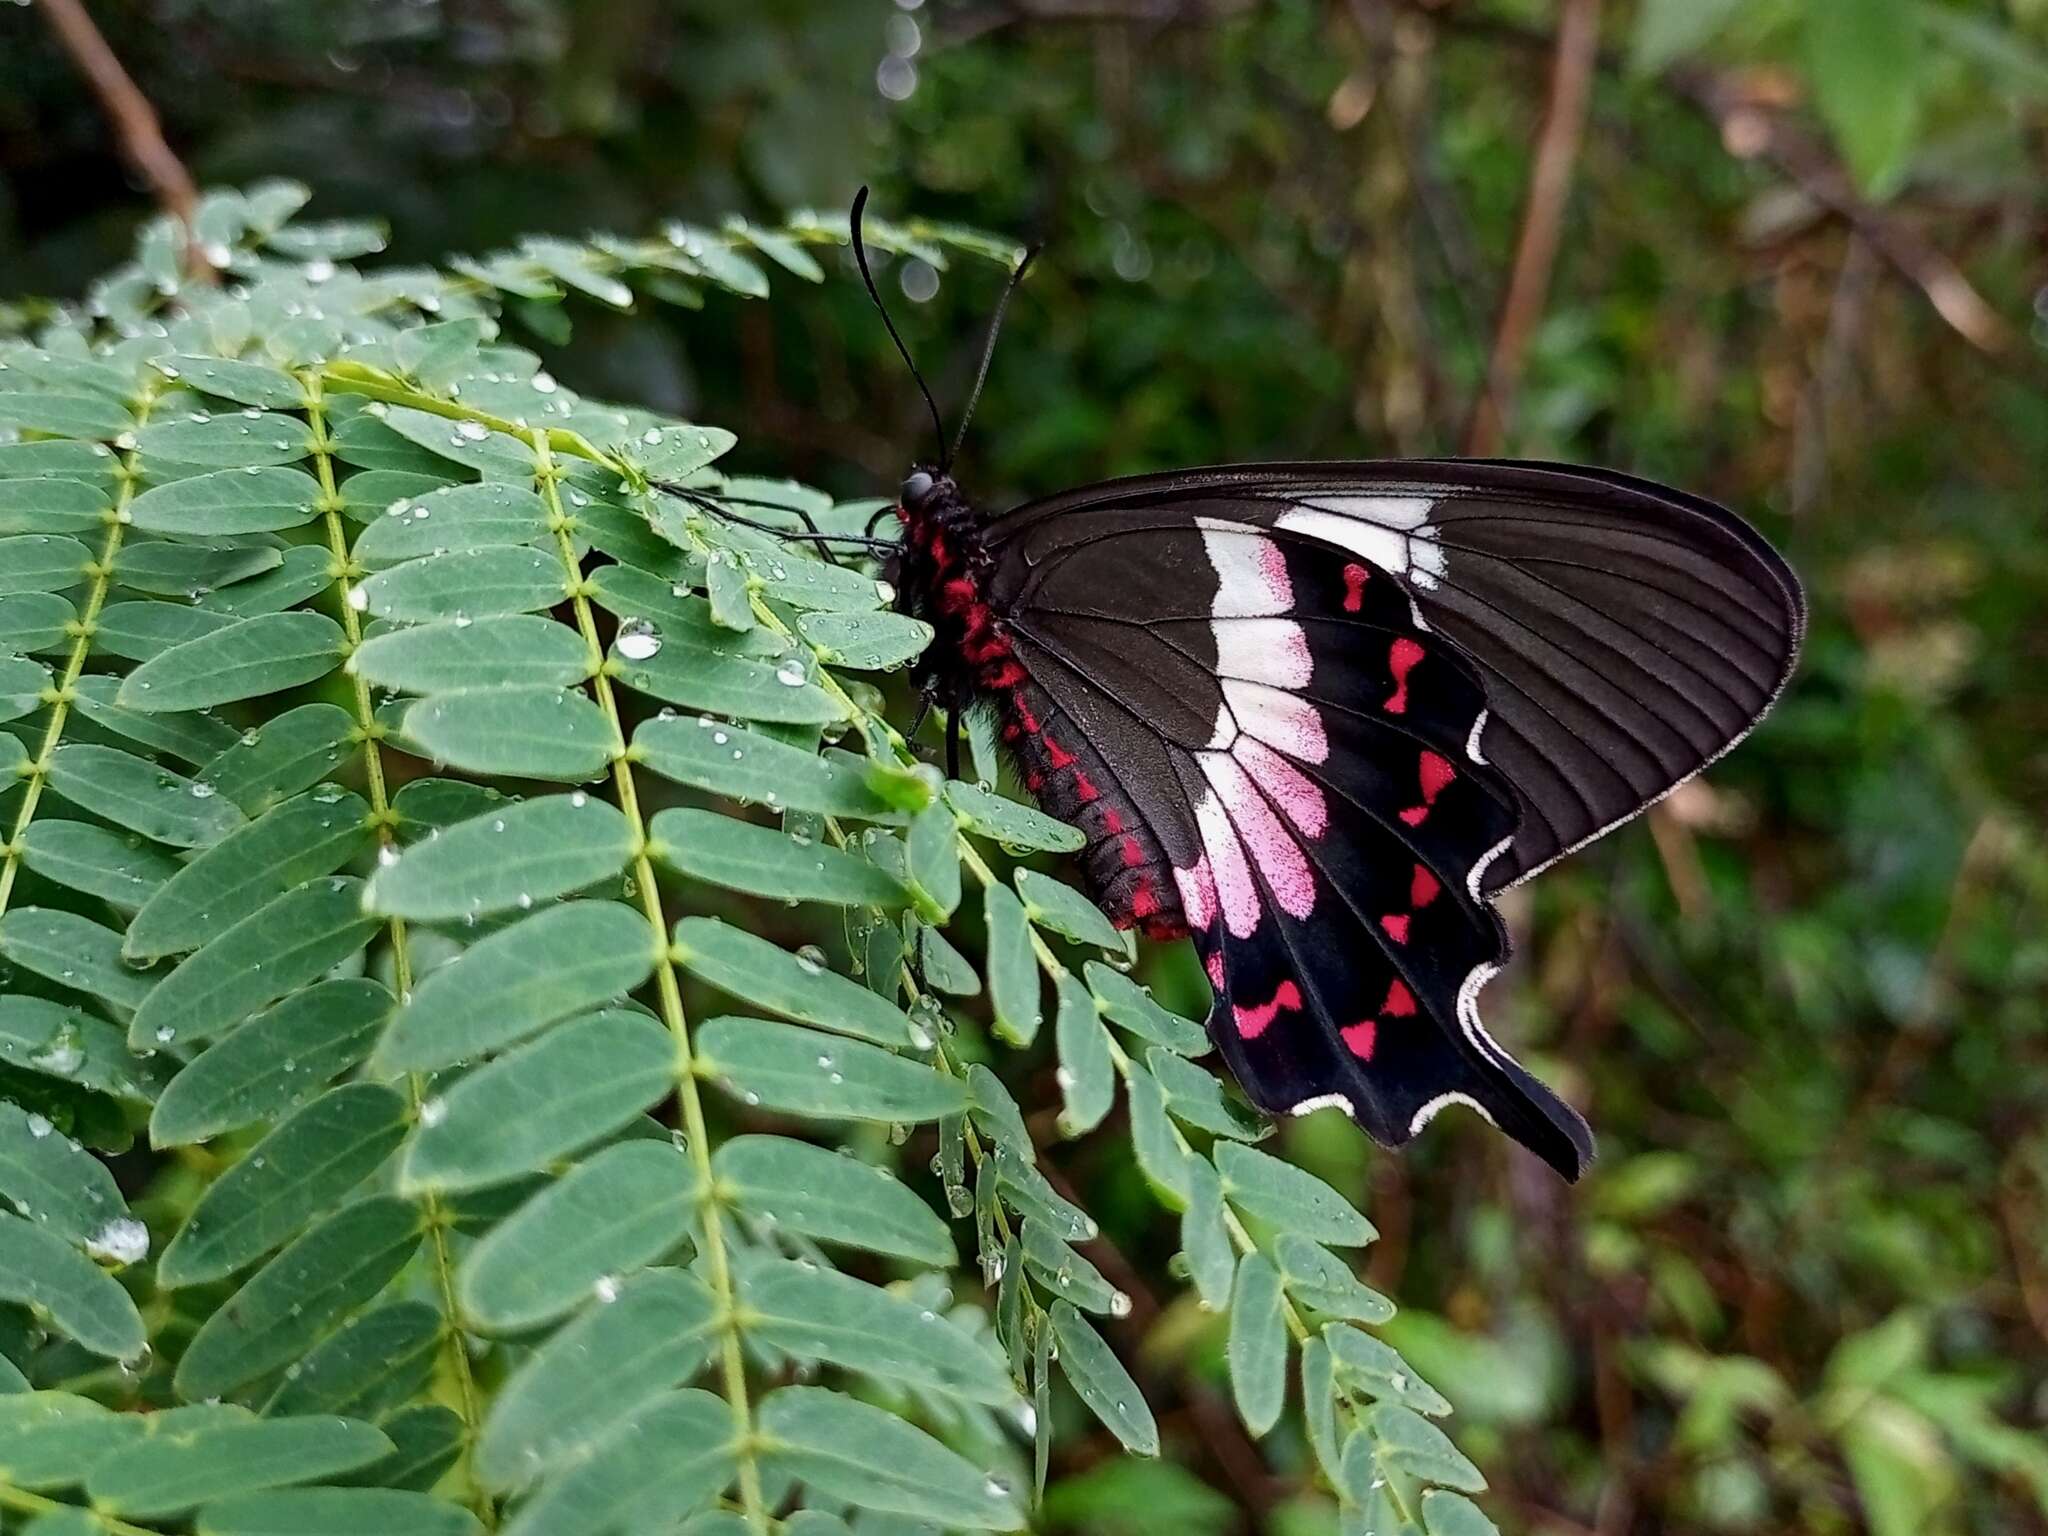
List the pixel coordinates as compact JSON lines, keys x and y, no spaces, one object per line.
{"x":618,"y":1211}
{"x":672,"y":668}
{"x":467,"y":583}
{"x":54,"y":1182}
{"x":190,"y":736}
{"x":741,"y":856}
{"x":1056,"y":905}
{"x":52,"y":1439}
{"x":41,"y":562}
{"x":374,"y":1362}
{"x":1322,"y":1282}
{"x":1130,"y":1007}
{"x":1100,"y":1380}
{"x":52,"y":506}
{"x":284,"y":755}
{"x":1257,"y":1350}
{"x":1205,"y":1236}
{"x":299,"y":1296}
{"x":793,"y":985}
{"x":554,"y":964}
{"x":336,"y":1512}
{"x":1410,"y":1443}
{"x":235,"y":440}
{"x":1452,"y":1514}
{"x":306,"y":571}
{"x":123,"y":871}
{"x":456,"y":655}
{"x":137,"y":631}
{"x":510,"y":859}
{"x":1087,"y":1075}
{"x":654,"y":1332}
{"x":1194,"y":1096}
{"x":1012,"y":967}
{"x":818,"y":1314}
{"x":1291,"y":1198}
{"x":132,"y":792}
{"x":256,"y":384}
{"x":292,"y":942}
{"x":850,"y":1450}
{"x":1011,"y":824}
{"x":807,"y":1072}
{"x":1376,"y":1369}
{"x":63,"y":414}
{"x":573,"y":1085}
{"x":74,"y":952}
{"x":675,"y":1455}
{"x":80,"y":1300}
{"x":757,"y":769}
{"x":266,"y":654}
{"x":801,"y":1188}
{"x":302,"y":1168}
{"x":52,"y":1040}
{"x":282,"y":849}
{"x":168,"y":1474}
{"x":528,"y":733}
{"x":229,"y":501}
{"x":35,"y":621}
{"x":482,"y":516}
{"x":865,"y":642}
{"x":191,"y":570}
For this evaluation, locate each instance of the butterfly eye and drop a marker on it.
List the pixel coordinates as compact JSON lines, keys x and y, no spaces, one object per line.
{"x":915,"y":489}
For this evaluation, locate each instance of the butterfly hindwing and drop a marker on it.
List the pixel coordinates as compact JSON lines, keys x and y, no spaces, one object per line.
{"x":1296,"y":748}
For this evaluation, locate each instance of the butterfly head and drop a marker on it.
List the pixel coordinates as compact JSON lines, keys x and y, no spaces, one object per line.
{"x":926,"y":491}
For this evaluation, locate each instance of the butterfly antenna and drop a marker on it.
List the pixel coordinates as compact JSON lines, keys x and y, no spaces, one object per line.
{"x":988,"y":350}
{"x":860,"y":254}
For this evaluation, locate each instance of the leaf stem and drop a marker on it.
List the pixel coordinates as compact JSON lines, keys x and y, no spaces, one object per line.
{"x":101,"y":572}
{"x":454,"y":1354}
{"x":36,"y":1504}
{"x":547,"y":477}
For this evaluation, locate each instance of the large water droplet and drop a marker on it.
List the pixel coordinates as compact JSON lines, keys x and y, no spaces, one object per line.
{"x":638,"y":639}
{"x":791,"y":673}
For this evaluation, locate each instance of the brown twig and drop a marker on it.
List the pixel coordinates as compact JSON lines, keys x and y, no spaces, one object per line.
{"x":1550,"y":181}
{"x":134,"y":119}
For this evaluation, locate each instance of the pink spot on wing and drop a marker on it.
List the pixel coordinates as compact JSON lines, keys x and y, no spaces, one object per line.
{"x":1273,"y":572}
{"x":1423,"y":887}
{"x":1197,"y":893}
{"x":1400,"y":1003}
{"x":1133,"y":855}
{"x":1298,"y":797}
{"x":1360,"y":1038}
{"x":1236,"y":892}
{"x":1213,"y":964}
{"x":1056,"y":754}
{"x":1354,"y":587}
{"x":1280,"y":719}
{"x":1084,"y":788}
{"x":1435,"y":773}
{"x":1396,"y":925}
{"x":1401,"y":658}
{"x":1274,"y":851}
{"x":1252,"y":1021}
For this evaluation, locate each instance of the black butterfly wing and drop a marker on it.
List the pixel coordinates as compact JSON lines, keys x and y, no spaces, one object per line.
{"x":1625,"y":634}
{"x":1258,"y":737}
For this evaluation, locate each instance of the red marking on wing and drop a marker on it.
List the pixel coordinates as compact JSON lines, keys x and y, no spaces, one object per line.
{"x":1213,"y":964}
{"x":1112,"y":823}
{"x":1056,"y":754}
{"x":1133,"y":855}
{"x":1396,"y":924}
{"x":1252,"y":1022}
{"x":1084,"y":788}
{"x":1401,"y":658}
{"x":1355,"y":577}
{"x":1360,"y":1038}
{"x":1436,"y":773}
{"x":1423,"y":888}
{"x":1400,"y":1003}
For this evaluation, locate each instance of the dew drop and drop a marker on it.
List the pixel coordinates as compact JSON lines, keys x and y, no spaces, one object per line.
{"x":791,"y":673}
{"x":810,"y":959}
{"x":638,"y":639}
{"x":474,"y":431}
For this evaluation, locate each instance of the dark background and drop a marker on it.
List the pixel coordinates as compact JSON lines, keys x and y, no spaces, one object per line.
{"x":1799,"y":251}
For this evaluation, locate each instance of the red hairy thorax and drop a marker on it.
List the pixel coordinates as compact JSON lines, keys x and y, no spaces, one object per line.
{"x":942,"y":576}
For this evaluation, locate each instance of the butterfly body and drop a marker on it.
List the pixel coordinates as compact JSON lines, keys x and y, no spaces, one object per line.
{"x":1317,"y":716}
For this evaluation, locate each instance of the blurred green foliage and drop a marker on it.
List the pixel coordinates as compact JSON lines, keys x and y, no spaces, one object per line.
{"x":1807,"y":1285}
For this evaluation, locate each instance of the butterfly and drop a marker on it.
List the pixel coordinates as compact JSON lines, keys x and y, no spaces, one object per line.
{"x":1318,"y":716}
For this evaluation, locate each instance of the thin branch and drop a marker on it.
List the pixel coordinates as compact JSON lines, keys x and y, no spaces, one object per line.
{"x":1550,"y":181}
{"x":134,"y":120}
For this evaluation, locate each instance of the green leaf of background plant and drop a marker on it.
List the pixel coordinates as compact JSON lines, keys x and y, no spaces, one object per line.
{"x":191,"y":570}
{"x":456,"y":517}
{"x":455,"y":655}
{"x":232,"y":440}
{"x":59,"y":1042}
{"x":466,"y":583}
{"x":373,"y":1362}
{"x":674,"y":1457}
{"x":52,"y":506}
{"x":74,"y":952}
{"x":41,"y":562}
{"x":51,"y":1439}
{"x":286,"y":754}
{"x":1129,"y":1006}
{"x":53,"y":1181}
{"x":554,"y":964}
{"x":1257,"y":1350}
{"x":122,"y":871}
{"x":246,"y":383}
{"x":1012,"y":968}
{"x":336,"y":1512}
{"x":1087,"y":1076}
{"x":1291,"y":1198}
{"x":1863,"y":56}
{"x":1011,"y":824}
{"x":35,"y":621}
